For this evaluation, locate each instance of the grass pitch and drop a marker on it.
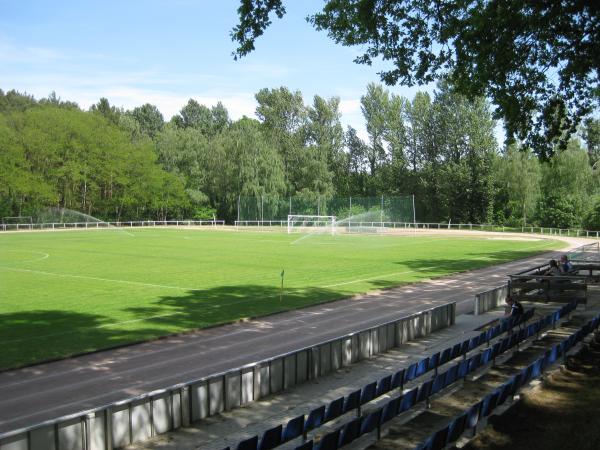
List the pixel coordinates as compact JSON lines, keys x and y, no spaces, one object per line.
{"x":70,"y":292}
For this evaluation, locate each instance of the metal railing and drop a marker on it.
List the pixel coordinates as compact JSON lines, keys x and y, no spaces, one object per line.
{"x":104,"y":225}
{"x":383,"y":226}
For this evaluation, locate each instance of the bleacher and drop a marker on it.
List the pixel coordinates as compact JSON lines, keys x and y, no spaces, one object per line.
{"x":349,"y":418}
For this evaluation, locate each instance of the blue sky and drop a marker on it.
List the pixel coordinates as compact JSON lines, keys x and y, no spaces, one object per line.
{"x":167,"y":51}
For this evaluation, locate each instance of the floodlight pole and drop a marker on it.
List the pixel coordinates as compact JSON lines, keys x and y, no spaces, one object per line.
{"x":414,"y":212}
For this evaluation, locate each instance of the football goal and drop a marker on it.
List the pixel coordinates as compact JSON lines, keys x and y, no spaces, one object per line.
{"x":310,"y":224}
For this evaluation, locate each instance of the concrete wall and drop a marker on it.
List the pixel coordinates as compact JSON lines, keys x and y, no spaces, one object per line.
{"x":138,"y":419}
{"x":489,"y":300}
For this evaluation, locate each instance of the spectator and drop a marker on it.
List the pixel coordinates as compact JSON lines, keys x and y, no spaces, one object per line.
{"x":565,"y":265}
{"x":553,"y":270}
{"x":516,"y":309}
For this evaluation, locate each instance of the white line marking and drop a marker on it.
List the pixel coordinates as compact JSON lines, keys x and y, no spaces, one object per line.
{"x":85,"y":277}
{"x":44,"y":255}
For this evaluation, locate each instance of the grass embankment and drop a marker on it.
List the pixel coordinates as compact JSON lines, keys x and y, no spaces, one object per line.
{"x":71,"y":292}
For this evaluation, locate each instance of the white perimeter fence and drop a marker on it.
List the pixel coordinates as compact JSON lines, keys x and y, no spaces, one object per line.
{"x":277,"y":224}
{"x":139,"y":418}
{"x":385,"y":226}
{"x":95,"y":225}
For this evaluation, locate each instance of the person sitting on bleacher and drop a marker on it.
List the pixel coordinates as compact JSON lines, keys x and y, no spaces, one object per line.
{"x":553,"y":270}
{"x":565,"y":265}
{"x":516,"y":309}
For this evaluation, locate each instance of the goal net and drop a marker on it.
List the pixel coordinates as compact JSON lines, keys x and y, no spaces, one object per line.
{"x":310,"y":224}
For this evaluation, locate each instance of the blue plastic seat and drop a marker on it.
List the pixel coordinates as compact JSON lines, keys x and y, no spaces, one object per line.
{"x":490,"y":334}
{"x":293,"y":429}
{"x":330,"y":441}
{"x":352,"y":401}
{"x":439,"y":439}
{"x":335,"y":409}
{"x":504,"y":344}
{"x":390,"y":410}
{"x":464,"y":347}
{"x":527,"y":371}
{"x":408,"y":400}
{"x":488,"y":404}
{"x":439,"y":383}
{"x":474,"y":362}
{"x":456,"y":428}
{"x":384,"y":385}
{"x":505,"y":391}
{"x":424,"y":391}
{"x":451,"y":375}
{"x":248,"y":444}
{"x":422,"y":367}
{"x":398,"y":379}
{"x":473,"y":415}
{"x":410,"y":373}
{"x":456,"y":351}
{"x":486,"y":356}
{"x":350,"y":432}
{"x":315,"y":418}
{"x":370,"y":422}
{"x":434,"y":361}
{"x":496,"y":349}
{"x":483,"y":338}
{"x":473,"y":343}
{"x":463,"y":368}
{"x":520,"y":380}
{"x":271,"y":438}
{"x":445,"y":356}
{"x":552,"y":354}
{"x":536,"y":368}
{"x":368,"y":393}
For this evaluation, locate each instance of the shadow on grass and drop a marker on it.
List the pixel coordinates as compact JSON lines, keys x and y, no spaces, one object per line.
{"x":223,"y":304}
{"x":445,"y":265}
{"x":31,"y":336}
{"x":34,"y":336}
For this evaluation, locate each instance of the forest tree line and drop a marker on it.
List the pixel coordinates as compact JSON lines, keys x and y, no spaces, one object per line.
{"x":118,"y":164}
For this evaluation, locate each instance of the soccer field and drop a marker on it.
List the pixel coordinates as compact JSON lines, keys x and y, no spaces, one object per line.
{"x":70,"y":292}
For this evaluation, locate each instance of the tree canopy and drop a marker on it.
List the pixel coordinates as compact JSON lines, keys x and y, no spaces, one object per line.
{"x":538,"y":61}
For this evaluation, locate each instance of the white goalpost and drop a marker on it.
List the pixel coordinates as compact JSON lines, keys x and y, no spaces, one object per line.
{"x":298,"y":223}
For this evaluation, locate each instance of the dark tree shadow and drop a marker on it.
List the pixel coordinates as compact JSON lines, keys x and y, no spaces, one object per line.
{"x":34,"y":336}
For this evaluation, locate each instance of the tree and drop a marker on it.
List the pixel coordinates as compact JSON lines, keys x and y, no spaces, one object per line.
{"x":459,"y":159}
{"x":538,"y":61}
{"x":243,"y":162}
{"x":103,"y":107}
{"x":195,"y":115}
{"x":569,"y":177}
{"x":284,"y":117}
{"x":518,"y":177}
{"x":374,"y":106}
{"x":591,"y":136}
{"x":149,"y":118}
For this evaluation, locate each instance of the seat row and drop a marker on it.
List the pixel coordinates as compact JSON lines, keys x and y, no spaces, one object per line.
{"x":301,"y":425}
{"x":470,"y":418}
